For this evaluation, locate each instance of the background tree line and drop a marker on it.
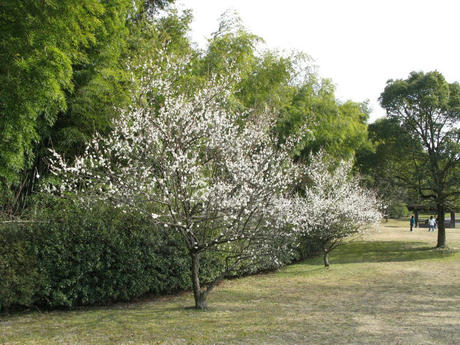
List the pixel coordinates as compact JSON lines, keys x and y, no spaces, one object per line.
{"x":63,"y":74}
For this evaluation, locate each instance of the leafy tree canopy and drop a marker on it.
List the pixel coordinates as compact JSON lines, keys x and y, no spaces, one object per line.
{"x":428,"y":109}
{"x":339,"y":129}
{"x":40,"y":42}
{"x":392,"y":163}
{"x":62,"y":75}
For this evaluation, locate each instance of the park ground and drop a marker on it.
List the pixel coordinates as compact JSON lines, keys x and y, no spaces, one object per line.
{"x":388,"y":287}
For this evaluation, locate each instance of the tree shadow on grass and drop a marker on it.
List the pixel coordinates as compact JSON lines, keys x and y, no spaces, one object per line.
{"x":386,"y":251}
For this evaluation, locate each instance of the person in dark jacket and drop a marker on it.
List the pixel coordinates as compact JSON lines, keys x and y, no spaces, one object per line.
{"x":412,"y":223}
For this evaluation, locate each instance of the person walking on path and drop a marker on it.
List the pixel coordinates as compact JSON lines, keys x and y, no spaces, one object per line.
{"x":412,"y":223}
{"x":431,"y":224}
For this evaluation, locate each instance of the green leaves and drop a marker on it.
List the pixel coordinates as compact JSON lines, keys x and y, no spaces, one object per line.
{"x":339,"y":129}
{"x":40,"y":42}
{"x":427,"y":107}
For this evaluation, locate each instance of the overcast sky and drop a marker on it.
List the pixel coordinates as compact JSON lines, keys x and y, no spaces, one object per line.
{"x":359,"y":44}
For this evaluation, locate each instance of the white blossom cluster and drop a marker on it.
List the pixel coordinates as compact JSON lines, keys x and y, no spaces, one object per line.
{"x":180,"y":156}
{"x":185,"y":160}
{"x":335,"y":205}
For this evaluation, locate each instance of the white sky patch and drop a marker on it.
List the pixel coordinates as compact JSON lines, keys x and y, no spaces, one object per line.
{"x":359,"y":44}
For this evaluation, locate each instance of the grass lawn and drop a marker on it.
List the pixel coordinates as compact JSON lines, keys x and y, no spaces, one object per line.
{"x":389,"y":287}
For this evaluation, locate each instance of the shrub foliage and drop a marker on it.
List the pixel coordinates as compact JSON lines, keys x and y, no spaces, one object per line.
{"x":71,"y":256}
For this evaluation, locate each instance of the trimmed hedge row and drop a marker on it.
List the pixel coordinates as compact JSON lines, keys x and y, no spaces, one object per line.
{"x":74,"y":256}
{"x":79,"y":257}
{"x":19,"y":273}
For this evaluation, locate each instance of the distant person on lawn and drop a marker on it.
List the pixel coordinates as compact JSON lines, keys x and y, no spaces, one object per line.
{"x":431,"y":224}
{"x":412,"y":223}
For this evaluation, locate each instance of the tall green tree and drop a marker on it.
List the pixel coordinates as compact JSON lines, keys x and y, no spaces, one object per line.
{"x":265,"y":77}
{"x":336,"y":128}
{"x":392,"y":163}
{"x":428,"y":108}
{"x":102,"y":82}
{"x":40,"y":42}
{"x":62,"y":74}
{"x":287,"y":85}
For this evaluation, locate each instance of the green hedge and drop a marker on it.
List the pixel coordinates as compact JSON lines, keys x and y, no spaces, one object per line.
{"x":73,"y":257}
{"x":106,"y":256}
{"x":20,"y":277}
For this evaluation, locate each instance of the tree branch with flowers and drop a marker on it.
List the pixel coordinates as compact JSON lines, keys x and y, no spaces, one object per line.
{"x":185,"y":159}
{"x":335,"y":206}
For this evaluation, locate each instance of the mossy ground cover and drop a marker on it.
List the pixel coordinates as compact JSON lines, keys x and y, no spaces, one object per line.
{"x":388,"y":287}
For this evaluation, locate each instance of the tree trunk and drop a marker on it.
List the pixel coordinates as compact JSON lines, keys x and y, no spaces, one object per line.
{"x":416,"y":218}
{"x":441,"y":227}
{"x":201,"y":303}
{"x":452,"y":219}
{"x":200,"y":297}
{"x":326,"y":258}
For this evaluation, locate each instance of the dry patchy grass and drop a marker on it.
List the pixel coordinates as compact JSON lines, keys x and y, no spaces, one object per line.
{"x":389,"y":287}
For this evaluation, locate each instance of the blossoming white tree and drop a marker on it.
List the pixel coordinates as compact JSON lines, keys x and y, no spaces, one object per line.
{"x":183,"y":158}
{"x":335,"y":206}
